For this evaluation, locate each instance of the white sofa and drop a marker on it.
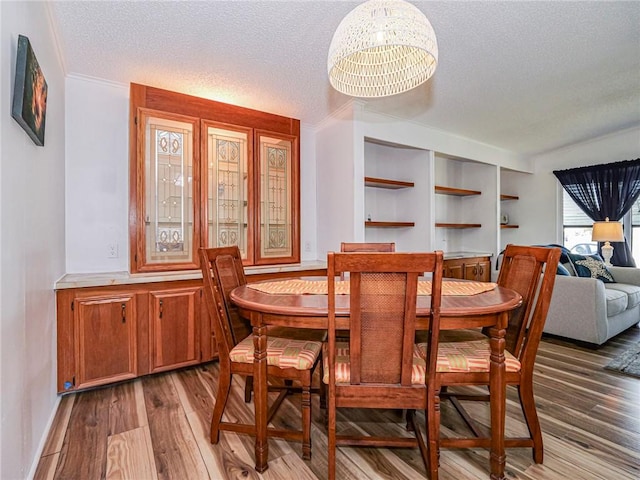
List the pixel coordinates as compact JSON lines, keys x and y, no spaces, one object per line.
{"x":588,"y":310}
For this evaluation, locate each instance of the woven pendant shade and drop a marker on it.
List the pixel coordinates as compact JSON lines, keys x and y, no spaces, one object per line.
{"x":382,"y":48}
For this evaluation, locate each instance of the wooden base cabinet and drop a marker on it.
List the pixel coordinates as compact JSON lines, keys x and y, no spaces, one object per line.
{"x":113,"y":333}
{"x":471,"y":268}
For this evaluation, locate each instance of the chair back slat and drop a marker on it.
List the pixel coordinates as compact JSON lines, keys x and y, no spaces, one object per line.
{"x":351,"y":247}
{"x":523,"y":270}
{"x":383,"y":295}
{"x":214,"y":300}
{"x":230,"y":274}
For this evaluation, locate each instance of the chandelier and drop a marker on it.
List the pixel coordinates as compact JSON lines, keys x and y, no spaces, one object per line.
{"x":382,"y":48}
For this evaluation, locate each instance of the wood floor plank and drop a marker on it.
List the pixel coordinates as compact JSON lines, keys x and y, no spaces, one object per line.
{"x":59,"y":426}
{"x":130,"y":456}
{"x":84,"y":452}
{"x":46,"y":469}
{"x":590,"y":420}
{"x":126,"y":410}
{"x":175,"y":450}
{"x":222,"y":460}
{"x":287,"y":467}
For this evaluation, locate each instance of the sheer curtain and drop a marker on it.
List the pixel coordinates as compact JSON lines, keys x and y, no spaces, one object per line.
{"x":602,"y":191}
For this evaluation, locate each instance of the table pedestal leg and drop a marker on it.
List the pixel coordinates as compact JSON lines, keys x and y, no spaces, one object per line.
{"x":260,"y":396}
{"x":498,"y":398}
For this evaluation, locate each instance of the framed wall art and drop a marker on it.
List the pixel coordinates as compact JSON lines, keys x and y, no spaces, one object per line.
{"x":30,"y":93}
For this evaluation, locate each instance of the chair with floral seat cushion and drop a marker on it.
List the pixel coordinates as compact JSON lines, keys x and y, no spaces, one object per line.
{"x":226,"y":263}
{"x":380,"y":365}
{"x":287,"y":359}
{"x":467,"y":362}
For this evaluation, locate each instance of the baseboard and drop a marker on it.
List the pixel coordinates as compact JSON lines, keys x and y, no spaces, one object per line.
{"x":43,"y":439}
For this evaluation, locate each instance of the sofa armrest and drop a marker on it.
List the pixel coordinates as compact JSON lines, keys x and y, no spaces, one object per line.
{"x":578,"y":309}
{"x":629,"y":275}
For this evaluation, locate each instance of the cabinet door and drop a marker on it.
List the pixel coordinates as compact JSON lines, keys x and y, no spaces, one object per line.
{"x":478,"y":269}
{"x":174,"y":328}
{"x":454,"y":271}
{"x":484,"y":271}
{"x":105,"y":346}
{"x":471,"y":271}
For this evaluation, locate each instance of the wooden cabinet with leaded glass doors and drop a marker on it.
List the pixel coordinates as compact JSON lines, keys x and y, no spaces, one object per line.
{"x":207,"y":174}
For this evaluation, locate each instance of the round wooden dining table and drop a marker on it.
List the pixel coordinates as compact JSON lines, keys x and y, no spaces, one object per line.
{"x":487,"y":309}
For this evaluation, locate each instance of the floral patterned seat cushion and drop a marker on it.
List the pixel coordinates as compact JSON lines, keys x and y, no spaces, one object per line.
{"x":343,"y":365}
{"x":470,"y":356}
{"x":281,"y":352}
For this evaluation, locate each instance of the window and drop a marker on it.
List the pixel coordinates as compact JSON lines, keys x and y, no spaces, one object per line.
{"x":635,"y":231}
{"x":210,"y":174}
{"x":577,"y":227}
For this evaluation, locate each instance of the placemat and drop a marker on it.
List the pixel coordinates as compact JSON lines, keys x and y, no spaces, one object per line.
{"x":319,"y":287}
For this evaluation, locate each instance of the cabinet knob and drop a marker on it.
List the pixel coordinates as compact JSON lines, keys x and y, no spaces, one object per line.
{"x":124,"y":313}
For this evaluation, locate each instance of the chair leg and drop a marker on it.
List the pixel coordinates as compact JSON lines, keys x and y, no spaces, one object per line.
{"x":410,"y":420}
{"x":528,"y":404}
{"x":248,"y":389}
{"x":224,"y":386}
{"x":323,"y":387}
{"x":432,"y":418}
{"x":306,"y":420}
{"x":331,"y":434}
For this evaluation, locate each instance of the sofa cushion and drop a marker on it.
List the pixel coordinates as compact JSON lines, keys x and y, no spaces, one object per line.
{"x":617,"y":301}
{"x":591,"y":266}
{"x":632,"y":291}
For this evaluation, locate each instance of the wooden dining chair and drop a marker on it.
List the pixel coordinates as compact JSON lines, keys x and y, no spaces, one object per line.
{"x":288,"y":359}
{"x":226,"y":264}
{"x":530,"y":271}
{"x":380,"y":366}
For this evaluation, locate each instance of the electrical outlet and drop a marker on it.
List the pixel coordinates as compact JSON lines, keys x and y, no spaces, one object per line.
{"x":112,"y":250}
{"x":307,"y":246}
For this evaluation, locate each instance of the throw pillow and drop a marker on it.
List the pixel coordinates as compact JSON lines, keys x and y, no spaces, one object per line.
{"x":562,"y":270}
{"x":591,"y":266}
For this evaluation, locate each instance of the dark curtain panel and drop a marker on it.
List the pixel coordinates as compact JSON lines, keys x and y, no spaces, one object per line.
{"x":605,"y":191}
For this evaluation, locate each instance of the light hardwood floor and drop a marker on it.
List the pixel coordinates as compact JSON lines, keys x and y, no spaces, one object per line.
{"x":156,"y":427}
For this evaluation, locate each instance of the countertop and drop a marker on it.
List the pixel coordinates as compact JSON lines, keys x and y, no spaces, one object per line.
{"x":80,"y":280}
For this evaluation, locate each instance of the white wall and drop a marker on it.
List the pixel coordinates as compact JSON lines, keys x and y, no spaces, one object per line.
{"x":97,"y":177}
{"x":335,"y":183}
{"x":540,"y":193}
{"x":308,"y":218}
{"x":31,"y":245}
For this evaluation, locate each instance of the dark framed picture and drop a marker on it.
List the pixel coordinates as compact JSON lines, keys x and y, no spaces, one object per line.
{"x":29,"y":93}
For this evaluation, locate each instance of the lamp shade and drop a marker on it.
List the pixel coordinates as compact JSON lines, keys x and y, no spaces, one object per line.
{"x":382,"y":48}
{"x":607,"y":231}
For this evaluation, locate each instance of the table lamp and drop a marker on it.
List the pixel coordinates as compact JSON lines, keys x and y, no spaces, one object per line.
{"x":607,"y":232}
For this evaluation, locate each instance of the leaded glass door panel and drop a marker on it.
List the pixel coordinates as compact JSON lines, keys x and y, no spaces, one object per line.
{"x":277,"y":166}
{"x":168,"y":190}
{"x":228,"y":187}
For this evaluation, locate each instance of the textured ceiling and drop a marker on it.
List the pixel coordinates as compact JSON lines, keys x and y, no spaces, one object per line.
{"x":528,"y":77}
